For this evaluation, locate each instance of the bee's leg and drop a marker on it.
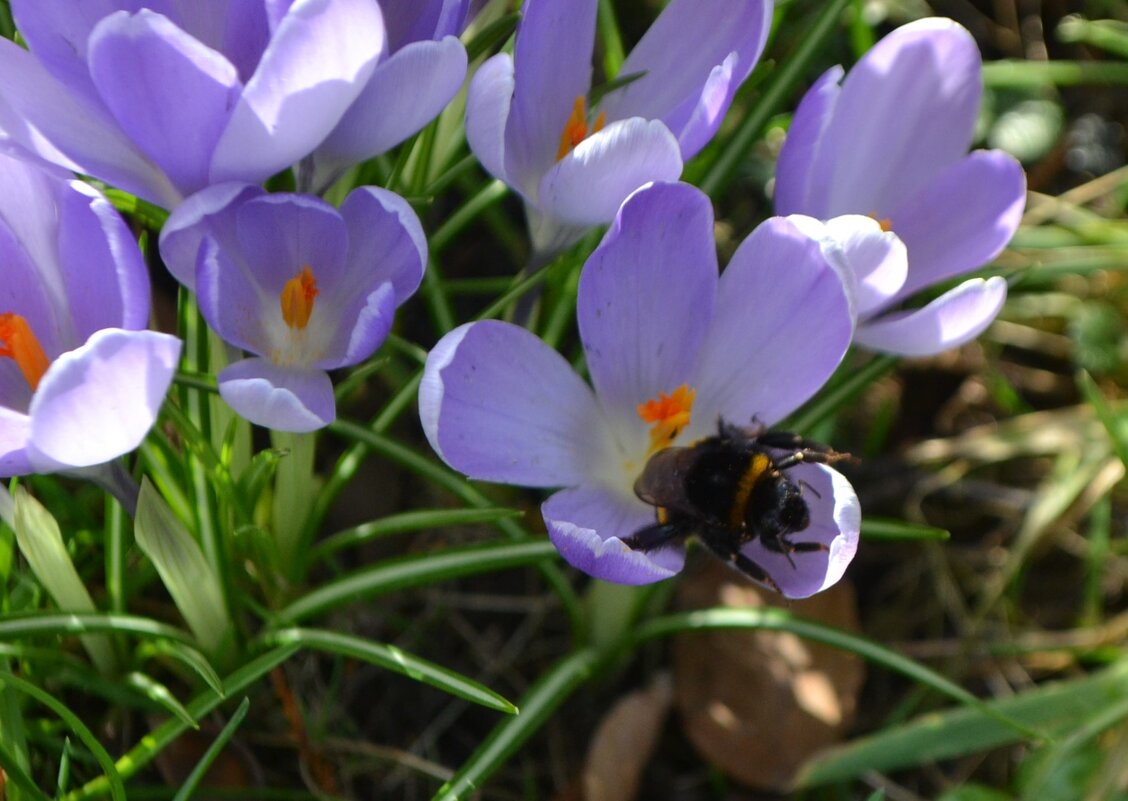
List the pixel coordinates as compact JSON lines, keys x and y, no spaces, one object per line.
{"x":728,"y":550}
{"x":650,"y":538}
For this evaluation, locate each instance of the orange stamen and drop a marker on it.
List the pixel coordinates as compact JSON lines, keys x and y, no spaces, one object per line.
{"x":885,"y":222}
{"x":297,"y":298}
{"x":667,"y":415}
{"x":576,"y":129}
{"x":19,"y":343}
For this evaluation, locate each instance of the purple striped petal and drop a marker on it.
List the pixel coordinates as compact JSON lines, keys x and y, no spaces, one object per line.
{"x":587,"y":186}
{"x":798,"y":189}
{"x":281,"y":398}
{"x":499,"y":404}
{"x":781,"y":327}
{"x":488,"y":101}
{"x":587,"y":524}
{"x":100,"y":400}
{"x":962,"y":220}
{"x":956,"y":317}
{"x":646,"y":299}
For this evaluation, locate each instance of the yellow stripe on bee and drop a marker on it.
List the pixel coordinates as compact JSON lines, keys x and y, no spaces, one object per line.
{"x":757,"y":467}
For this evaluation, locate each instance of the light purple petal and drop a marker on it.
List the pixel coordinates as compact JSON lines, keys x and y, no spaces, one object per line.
{"x":704,"y":116}
{"x":106,"y":280}
{"x":836,"y":520}
{"x":358,"y":326}
{"x":646,"y":298}
{"x":876,"y":260}
{"x":963,"y":219}
{"x":906,"y":112}
{"x":679,"y":54}
{"x":209,"y":212}
{"x":318,"y":60}
{"x":57,"y":32}
{"x":587,"y":525}
{"x":499,"y":404}
{"x":588,"y":185}
{"x":15,"y":432}
{"x":781,"y":327}
{"x":552,"y":67}
{"x":97,"y":402}
{"x":280,"y":398}
{"x":386,"y":237}
{"x":798,"y":190}
{"x":488,"y":101}
{"x":81,"y":130}
{"x":171,"y":94}
{"x":233,"y":304}
{"x":956,"y":317}
{"x":404,"y":93}
{"x":280,"y":234}
{"x":418,"y":20}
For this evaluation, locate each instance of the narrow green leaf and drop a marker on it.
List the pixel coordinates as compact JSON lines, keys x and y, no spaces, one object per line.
{"x":394,"y":659}
{"x":1057,"y":708}
{"x":537,"y":705}
{"x":775,"y":94}
{"x":183,"y":568}
{"x":186,"y":655}
{"x":110,"y":773}
{"x":851,"y":380}
{"x":491,"y":36}
{"x":877,"y":528}
{"x":159,"y":694}
{"x":414,"y":571}
{"x":201,"y":768}
{"x":1116,"y":425}
{"x":781,"y":620}
{"x":611,"y":39}
{"x":203,"y":704}
{"x":415,"y":520}
{"x":1019,"y":73}
{"x":56,"y":623}
{"x":14,"y":773}
{"x":41,"y":543}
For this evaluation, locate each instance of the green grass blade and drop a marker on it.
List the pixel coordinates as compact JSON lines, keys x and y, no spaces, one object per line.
{"x":159,"y":738}
{"x":1115,"y":424}
{"x":394,"y":659}
{"x":781,"y":620}
{"x":56,"y":623}
{"x":201,"y":768}
{"x":1019,"y":73}
{"x":775,"y":93}
{"x":1056,"y":707}
{"x":18,"y":777}
{"x":110,"y":774}
{"x":537,"y":705}
{"x":159,"y":694}
{"x":415,"y":571}
{"x":876,"y":528}
{"x":839,"y":393}
{"x":188,"y":656}
{"x":404,"y":522}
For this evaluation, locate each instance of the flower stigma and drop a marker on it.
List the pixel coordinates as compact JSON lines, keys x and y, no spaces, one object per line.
{"x":19,"y":343}
{"x":297,"y":299}
{"x":576,"y":129}
{"x":667,"y":415}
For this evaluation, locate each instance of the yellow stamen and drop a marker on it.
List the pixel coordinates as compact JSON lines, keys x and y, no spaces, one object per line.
{"x":19,"y":343}
{"x":576,"y":129}
{"x":667,"y":415}
{"x":297,"y":299}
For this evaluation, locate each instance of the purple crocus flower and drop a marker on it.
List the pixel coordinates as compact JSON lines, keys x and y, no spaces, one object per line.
{"x":418,"y":74}
{"x":671,"y":348}
{"x":528,"y":121}
{"x":81,"y":381}
{"x":302,"y":285}
{"x":890,"y":141}
{"x":164,"y":98}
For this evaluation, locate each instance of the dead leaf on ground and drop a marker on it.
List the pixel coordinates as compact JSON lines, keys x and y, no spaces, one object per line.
{"x":624,"y":743}
{"x":759,"y":703}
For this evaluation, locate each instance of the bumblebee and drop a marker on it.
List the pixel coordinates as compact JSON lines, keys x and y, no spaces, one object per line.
{"x":728,"y":490}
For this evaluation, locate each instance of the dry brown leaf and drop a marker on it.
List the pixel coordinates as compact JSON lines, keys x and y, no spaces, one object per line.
{"x":624,"y":743}
{"x":758,"y":704}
